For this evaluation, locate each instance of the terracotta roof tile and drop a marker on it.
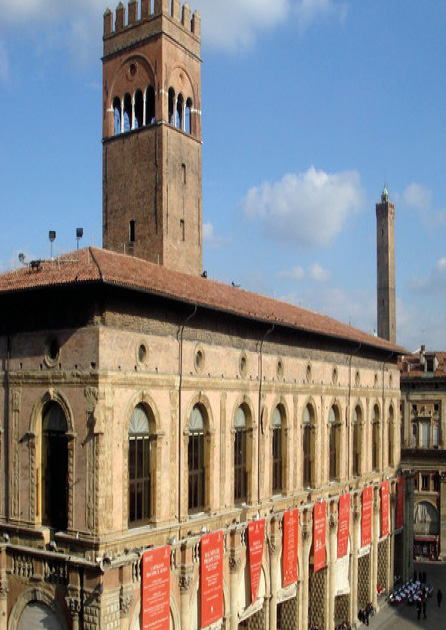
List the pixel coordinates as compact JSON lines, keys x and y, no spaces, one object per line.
{"x":99,"y":265}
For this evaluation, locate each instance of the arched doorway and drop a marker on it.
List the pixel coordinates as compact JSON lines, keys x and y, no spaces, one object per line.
{"x":38,"y":616}
{"x":54,"y":467}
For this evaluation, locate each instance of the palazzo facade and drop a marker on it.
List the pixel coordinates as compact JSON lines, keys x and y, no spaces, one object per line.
{"x":174,"y":452}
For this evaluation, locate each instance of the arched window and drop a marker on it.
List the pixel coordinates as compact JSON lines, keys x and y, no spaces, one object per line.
{"x":117,"y":116}
{"x":140,"y":485}
{"x":391,"y":438}
{"x":334,"y":429}
{"x":171,"y":106}
{"x":308,"y":447}
{"x":240,"y":457}
{"x":375,"y":438}
{"x":128,"y":119}
{"x":150,"y":105}
{"x":277,"y":454}
{"x":356,"y":440}
{"x":179,"y":121}
{"x":139,"y":110}
{"x":414,"y":442}
{"x":196,"y":463}
{"x":188,"y":116}
{"x":54,"y":467}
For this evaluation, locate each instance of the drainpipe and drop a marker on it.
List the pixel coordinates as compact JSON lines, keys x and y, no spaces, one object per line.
{"x":180,"y":388}
{"x":6,"y":434}
{"x":268,"y":332}
{"x":348,"y":408}
{"x":383,"y":412}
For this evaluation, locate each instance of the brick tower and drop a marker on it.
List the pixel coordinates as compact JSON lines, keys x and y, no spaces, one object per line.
{"x":152,"y":194}
{"x":385,"y":239}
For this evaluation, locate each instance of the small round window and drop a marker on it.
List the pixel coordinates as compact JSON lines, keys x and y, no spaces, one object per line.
{"x":243,"y":365}
{"x":199,"y":360}
{"x":279,"y":368}
{"x":308,"y":373}
{"x":334,"y":376}
{"x":142,"y":353}
{"x":52,"y":351}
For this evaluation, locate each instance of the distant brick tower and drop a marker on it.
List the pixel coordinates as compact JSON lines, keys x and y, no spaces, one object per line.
{"x":385,"y":239}
{"x":152,"y":192}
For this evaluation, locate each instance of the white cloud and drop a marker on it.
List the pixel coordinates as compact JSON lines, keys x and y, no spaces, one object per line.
{"x":308,"y":11}
{"x":318,"y":273}
{"x":417,"y":196}
{"x":296,"y":273}
{"x":308,"y":209}
{"x":434,"y":283}
{"x":4,"y":62}
{"x":208,"y":231}
{"x":212,"y":240}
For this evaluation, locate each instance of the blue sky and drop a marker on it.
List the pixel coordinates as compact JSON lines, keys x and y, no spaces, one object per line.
{"x":308,"y":107}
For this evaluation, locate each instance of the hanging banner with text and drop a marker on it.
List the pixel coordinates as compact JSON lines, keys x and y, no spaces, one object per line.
{"x":319,"y":522}
{"x":384,"y":509}
{"x":290,"y":542}
{"x":343,"y":524}
{"x":156,"y":589}
{"x":399,"y":516}
{"x":211,"y":576}
{"x":366,"y":521}
{"x":256,"y":535}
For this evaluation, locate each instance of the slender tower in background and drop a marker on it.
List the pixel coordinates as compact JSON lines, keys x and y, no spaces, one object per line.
{"x":385,"y":241}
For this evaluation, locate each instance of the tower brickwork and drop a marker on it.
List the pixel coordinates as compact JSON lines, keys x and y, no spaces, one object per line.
{"x":386,"y":301}
{"x":152,"y":189}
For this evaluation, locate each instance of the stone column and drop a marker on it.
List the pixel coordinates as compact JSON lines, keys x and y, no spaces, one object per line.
{"x":74,"y":606}
{"x":234,"y":578}
{"x":392,"y":499}
{"x":274,"y":544}
{"x":4,"y":588}
{"x":443,"y":514}
{"x":333,"y":531}
{"x":307,"y":530}
{"x":185,"y":583}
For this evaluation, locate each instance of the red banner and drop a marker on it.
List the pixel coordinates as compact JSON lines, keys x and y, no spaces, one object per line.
{"x":343,"y":524}
{"x":384,"y":508}
{"x":211,"y":576}
{"x":366,"y":521}
{"x":319,"y":524}
{"x":256,"y":535}
{"x":290,"y":542}
{"x":399,"y":516}
{"x":156,"y":589}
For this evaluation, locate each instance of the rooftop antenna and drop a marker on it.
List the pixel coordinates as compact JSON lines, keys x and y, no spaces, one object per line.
{"x":52,"y":237}
{"x":22,"y":258}
{"x":79,"y":235}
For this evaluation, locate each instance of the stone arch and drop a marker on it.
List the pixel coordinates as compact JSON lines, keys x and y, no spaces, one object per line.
{"x":279,"y":459}
{"x":187,"y":87}
{"x":201,"y":401}
{"x":40,"y":595}
{"x":35,"y":447}
{"x":334,"y":430}
{"x":145,"y":399}
{"x":247,"y":444}
{"x":139,"y":83}
{"x":309,"y":446}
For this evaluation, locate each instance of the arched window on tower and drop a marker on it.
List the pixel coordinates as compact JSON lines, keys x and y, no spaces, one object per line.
{"x":179,"y":121}
{"x":196,"y":460}
{"x":127,"y":113}
{"x":188,"y":116}
{"x":240,"y":457}
{"x":54,"y":467}
{"x":277,"y":454}
{"x":139,"y":461}
{"x":139,"y":109}
{"x":150,"y":105}
{"x":117,"y":116}
{"x":171,"y":106}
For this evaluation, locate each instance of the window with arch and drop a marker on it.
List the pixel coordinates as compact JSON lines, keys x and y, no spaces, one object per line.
{"x":414,"y":436}
{"x":356,"y":440}
{"x":334,"y":441}
{"x":390,"y":438}
{"x":308,"y":447}
{"x":240,"y":457}
{"x":188,"y":116}
{"x":54,"y":467}
{"x":139,"y":109}
{"x":139,"y":461}
{"x":128,"y":109}
{"x":375,"y":438}
{"x":171,"y":105}
{"x":179,"y":120}
{"x":196,"y":460}
{"x":116,"y":116}
{"x":277,"y":451}
{"x":150,"y":105}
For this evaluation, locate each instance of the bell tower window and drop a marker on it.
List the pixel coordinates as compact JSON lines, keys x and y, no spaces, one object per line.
{"x":139,"y":110}
{"x":171,"y":106}
{"x":131,"y":232}
{"x":128,"y":118}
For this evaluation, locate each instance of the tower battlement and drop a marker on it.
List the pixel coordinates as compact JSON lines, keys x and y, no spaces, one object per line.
{"x":146,"y":10}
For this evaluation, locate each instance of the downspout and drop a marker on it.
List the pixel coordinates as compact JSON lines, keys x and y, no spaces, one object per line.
{"x":6,"y":435}
{"x":259,"y":423}
{"x":180,"y":389}
{"x":383,"y":413}
{"x":348,"y":408}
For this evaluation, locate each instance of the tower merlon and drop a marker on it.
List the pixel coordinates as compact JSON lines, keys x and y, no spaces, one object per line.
{"x":173,"y":10}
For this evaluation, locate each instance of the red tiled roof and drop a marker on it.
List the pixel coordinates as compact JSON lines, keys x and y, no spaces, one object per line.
{"x":412,"y":367}
{"x":102,"y":266}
